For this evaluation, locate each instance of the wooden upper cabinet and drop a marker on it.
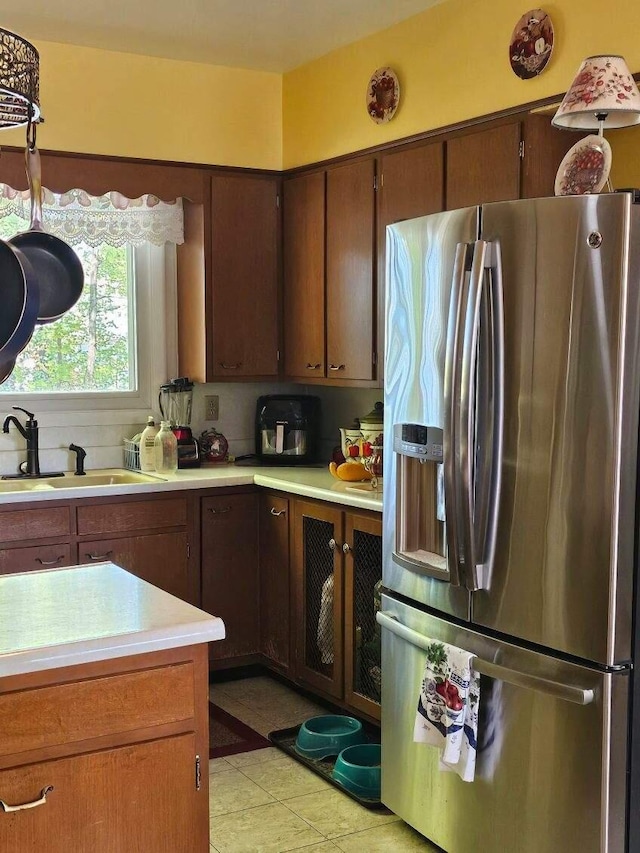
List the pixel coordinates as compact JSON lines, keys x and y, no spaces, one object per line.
{"x":244,"y":276}
{"x":544,"y":148}
{"x":350,"y":268}
{"x":411,"y":184}
{"x":483,"y":166}
{"x":304,"y":274}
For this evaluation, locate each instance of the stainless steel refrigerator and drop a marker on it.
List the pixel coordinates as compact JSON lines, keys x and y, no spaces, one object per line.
{"x":512,"y":383}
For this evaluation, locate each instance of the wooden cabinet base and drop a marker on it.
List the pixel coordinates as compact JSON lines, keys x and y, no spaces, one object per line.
{"x":134,"y":777}
{"x":107,"y":801}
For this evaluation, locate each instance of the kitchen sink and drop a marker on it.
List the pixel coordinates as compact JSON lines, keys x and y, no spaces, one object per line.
{"x":104,"y":477}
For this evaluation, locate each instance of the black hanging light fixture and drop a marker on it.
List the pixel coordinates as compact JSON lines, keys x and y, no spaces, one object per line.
{"x":19,"y":81}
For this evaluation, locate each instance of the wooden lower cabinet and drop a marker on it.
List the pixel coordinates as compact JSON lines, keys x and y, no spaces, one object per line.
{"x":102,"y":776}
{"x":111,"y":800}
{"x":275,"y":584}
{"x":337,"y":568}
{"x":159,"y":558}
{"x":149,"y":537}
{"x":230,"y":580}
{"x":32,"y":559}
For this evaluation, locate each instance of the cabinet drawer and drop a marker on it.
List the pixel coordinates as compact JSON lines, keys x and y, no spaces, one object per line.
{"x":30,"y":559}
{"x":138,"y":515}
{"x":18,"y":525}
{"x":132,"y":798}
{"x":81,"y":710}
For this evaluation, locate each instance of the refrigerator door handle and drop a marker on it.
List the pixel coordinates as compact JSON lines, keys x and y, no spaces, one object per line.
{"x":517,"y":678}
{"x":481,"y":432}
{"x":453,"y":524}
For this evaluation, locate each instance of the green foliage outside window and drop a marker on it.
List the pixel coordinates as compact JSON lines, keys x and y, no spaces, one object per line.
{"x":88,"y":349}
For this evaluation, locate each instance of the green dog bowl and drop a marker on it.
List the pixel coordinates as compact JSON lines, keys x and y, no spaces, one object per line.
{"x":320,"y":737}
{"x":357,"y":769}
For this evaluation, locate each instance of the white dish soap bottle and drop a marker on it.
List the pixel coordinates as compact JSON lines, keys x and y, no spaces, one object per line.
{"x":147,"y":446}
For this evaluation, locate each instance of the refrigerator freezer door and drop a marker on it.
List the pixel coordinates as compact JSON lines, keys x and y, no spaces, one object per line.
{"x":420,"y":274}
{"x":563,"y":566}
{"x":550,"y":772}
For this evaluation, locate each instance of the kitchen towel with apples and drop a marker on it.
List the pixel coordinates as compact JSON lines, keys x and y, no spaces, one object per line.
{"x":447,"y":715}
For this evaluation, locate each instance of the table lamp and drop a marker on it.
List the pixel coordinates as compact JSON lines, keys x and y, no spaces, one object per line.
{"x":603,"y":93}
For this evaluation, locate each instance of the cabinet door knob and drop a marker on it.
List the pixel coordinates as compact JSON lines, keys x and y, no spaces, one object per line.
{"x":226,"y":366}
{"x":99,"y":556}
{"x":219,"y":510}
{"x":346,"y":548}
{"x":333,"y":545}
{"x":313,"y":366}
{"x":337,"y":366}
{"x":49,"y":562}
{"x":278,"y":512}
{"x":39,"y":802}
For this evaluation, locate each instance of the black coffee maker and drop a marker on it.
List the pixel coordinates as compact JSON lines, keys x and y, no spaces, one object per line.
{"x":288,"y":429}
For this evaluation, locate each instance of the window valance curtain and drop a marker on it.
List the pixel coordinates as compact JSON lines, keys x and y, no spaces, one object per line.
{"x":77,"y":217}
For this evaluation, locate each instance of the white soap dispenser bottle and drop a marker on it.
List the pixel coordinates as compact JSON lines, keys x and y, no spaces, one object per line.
{"x":147,"y":445}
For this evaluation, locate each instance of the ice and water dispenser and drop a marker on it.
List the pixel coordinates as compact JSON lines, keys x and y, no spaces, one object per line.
{"x":420,"y":515}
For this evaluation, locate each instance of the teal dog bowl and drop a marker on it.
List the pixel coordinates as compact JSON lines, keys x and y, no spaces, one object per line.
{"x":320,"y":737}
{"x":357,"y":769}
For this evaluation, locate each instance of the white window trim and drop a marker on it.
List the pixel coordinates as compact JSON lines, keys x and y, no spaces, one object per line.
{"x":155,"y":287}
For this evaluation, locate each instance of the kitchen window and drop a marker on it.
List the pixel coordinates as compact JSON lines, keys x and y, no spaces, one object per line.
{"x":119,"y":342}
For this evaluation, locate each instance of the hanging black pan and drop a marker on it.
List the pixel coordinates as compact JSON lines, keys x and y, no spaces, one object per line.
{"x":19,"y":301}
{"x":57,"y":267}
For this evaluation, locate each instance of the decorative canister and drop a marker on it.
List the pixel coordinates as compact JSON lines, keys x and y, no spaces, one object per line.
{"x":372,"y":427}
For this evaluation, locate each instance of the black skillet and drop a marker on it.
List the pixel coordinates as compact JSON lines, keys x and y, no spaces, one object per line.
{"x":19,"y":305}
{"x":57,"y":267}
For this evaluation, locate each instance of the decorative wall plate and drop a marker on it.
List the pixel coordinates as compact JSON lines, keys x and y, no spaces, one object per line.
{"x":383,"y":95}
{"x":531,"y":44}
{"x":585,"y":167}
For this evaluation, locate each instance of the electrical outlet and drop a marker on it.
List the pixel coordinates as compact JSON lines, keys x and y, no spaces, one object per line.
{"x":212,"y":407}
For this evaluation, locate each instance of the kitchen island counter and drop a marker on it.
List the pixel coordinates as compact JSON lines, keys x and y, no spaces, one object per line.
{"x":62,"y":617}
{"x":104,"y":714}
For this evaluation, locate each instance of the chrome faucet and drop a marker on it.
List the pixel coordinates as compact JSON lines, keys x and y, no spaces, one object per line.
{"x":30,"y":468}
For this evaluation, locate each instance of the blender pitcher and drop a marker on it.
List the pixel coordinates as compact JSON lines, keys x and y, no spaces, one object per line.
{"x":175,"y":399}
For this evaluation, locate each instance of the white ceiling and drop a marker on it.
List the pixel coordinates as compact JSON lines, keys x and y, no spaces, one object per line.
{"x":268,"y":35}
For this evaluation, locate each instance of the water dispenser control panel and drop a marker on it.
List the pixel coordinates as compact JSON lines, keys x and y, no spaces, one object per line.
{"x":421,"y":442}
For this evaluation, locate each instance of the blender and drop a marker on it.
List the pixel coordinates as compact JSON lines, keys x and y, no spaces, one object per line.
{"x":175,"y":399}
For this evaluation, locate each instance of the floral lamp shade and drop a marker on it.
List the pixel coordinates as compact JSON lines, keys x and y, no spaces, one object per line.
{"x":603,"y":93}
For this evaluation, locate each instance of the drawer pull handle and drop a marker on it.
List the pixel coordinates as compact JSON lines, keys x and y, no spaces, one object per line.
{"x":49,"y":562}
{"x":220,"y":511}
{"x":39,"y":802}
{"x":226,"y":366}
{"x":278,"y":512}
{"x":97,"y":557}
{"x":337,"y":366}
{"x":313,"y":366}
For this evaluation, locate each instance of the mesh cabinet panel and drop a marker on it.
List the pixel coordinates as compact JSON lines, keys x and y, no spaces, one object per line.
{"x":318,"y":593}
{"x":367,"y":566}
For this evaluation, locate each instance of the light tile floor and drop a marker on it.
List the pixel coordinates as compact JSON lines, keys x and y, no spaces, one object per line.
{"x":266,"y":802}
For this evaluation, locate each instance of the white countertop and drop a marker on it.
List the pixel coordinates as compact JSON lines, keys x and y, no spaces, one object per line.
{"x":62,"y":617}
{"x":315,"y":483}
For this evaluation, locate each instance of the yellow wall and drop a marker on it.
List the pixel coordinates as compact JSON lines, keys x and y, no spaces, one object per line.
{"x":102,"y":102}
{"x":452,"y":63}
